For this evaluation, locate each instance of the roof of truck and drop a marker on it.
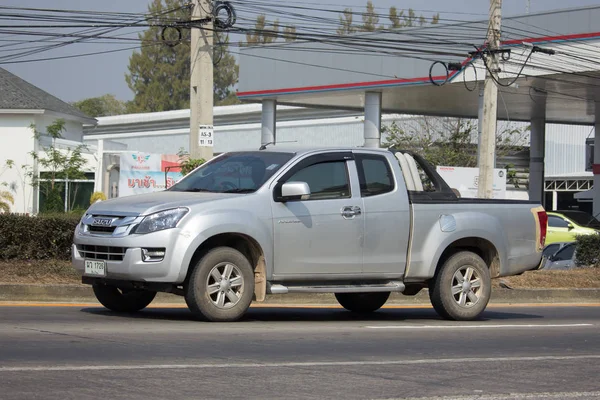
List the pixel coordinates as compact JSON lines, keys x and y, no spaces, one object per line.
{"x":304,"y":150}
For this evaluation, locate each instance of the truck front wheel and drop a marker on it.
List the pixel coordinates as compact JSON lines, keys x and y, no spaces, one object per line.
{"x":362,"y":302}
{"x":221,"y":285}
{"x":462,"y":287}
{"x":123,"y":300}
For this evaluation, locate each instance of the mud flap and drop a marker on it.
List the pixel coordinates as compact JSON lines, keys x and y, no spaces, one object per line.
{"x":260,"y":280}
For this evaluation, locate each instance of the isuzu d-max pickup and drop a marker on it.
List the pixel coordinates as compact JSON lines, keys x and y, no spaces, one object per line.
{"x":359,"y":223}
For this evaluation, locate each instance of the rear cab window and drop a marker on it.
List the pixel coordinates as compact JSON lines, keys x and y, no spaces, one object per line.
{"x":374,"y":174}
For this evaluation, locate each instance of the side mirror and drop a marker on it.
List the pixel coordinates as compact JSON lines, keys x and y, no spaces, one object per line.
{"x":295,"y":191}
{"x":570,"y":227}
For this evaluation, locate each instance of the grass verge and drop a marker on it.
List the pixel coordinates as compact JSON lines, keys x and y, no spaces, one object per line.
{"x":61,"y":272}
{"x":38,"y":272}
{"x":580,"y":278}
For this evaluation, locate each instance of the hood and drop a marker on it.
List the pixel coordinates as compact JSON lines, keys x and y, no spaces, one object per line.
{"x":145,"y":204}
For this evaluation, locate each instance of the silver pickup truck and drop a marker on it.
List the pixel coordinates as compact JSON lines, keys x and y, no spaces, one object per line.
{"x":359,"y":223}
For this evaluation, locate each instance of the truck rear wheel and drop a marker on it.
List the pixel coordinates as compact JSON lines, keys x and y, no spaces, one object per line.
{"x":221,"y":286}
{"x":362,"y":302}
{"x":123,"y":300}
{"x":462,"y":287}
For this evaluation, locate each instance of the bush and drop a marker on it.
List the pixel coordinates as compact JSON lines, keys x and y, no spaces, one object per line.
{"x":588,"y":250}
{"x":37,"y":238}
{"x":97,"y":196}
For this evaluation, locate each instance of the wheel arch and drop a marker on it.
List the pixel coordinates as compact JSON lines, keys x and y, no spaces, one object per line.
{"x":480,"y":246}
{"x":245,"y":244}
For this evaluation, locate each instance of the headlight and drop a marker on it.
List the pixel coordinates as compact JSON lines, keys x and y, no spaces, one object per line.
{"x":161,"y":220}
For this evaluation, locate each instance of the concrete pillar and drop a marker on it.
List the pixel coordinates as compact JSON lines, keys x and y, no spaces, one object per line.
{"x":269,"y":118}
{"x":372,"y":130}
{"x":99,"y":175}
{"x":537,"y":150}
{"x":480,"y":124}
{"x":555,"y":200}
{"x":596,"y":167}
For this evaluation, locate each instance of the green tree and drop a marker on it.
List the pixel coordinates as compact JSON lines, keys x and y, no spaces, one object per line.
{"x":58,"y":164}
{"x":187,"y":163}
{"x":6,"y":201}
{"x":289,"y":33}
{"x":102,"y":106}
{"x":226,"y":74}
{"x":262,"y":33}
{"x":400,"y":19}
{"x":370,"y":19}
{"x":449,"y":141}
{"x":346,"y":27}
{"x":397,"y":18}
{"x":159,"y":74}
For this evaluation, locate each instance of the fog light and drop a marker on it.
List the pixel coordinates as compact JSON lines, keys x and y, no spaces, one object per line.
{"x":153,"y":255}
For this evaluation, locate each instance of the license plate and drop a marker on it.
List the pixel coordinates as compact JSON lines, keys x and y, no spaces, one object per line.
{"x":95,"y":268}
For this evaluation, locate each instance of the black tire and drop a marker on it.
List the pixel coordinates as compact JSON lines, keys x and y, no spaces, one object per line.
{"x":123,"y":300}
{"x":362,"y":302}
{"x":454,"y":299}
{"x":240,"y":282}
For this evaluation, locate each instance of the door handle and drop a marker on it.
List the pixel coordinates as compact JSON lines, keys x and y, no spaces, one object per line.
{"x":350,"y":212}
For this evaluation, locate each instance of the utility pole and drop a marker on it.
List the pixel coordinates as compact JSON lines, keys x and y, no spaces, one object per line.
{"x":487,"y":152}
{"x":201,"y":82}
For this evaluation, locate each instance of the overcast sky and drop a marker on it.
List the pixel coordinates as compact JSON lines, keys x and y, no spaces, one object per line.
{"x":78,"y":78}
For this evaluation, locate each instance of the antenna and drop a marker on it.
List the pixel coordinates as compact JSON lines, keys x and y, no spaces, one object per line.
{"x":264,"y":146}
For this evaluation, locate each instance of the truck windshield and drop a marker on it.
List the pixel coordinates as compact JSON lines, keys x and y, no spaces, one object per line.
{"x":236,"y":172}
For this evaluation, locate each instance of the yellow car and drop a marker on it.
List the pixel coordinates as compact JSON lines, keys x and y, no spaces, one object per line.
{"x":564,"y":226}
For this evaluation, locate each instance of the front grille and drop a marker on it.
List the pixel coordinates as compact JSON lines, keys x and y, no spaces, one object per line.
{"x":101,"y":252}
{"x":101,"y":229}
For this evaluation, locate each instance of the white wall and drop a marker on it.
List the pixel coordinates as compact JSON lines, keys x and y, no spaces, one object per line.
{"x":16,"y":142}
{"x":73,"y":129}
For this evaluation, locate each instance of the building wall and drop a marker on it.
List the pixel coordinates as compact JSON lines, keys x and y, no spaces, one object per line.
{"x":73,"y":129}
{"x":16,"y":133}
{"x":565,"y":148}
{"x":17,"y":142}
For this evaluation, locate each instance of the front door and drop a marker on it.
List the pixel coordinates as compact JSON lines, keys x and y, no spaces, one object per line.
{"x":558,"y":230}
{"x":324,"y":234}
{"x":386,"y":211}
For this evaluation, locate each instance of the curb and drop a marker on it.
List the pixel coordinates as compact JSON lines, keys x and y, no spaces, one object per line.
{"x":83,"y":293}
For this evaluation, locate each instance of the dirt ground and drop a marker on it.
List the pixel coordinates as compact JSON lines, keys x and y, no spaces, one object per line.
{"x":57,"y":272}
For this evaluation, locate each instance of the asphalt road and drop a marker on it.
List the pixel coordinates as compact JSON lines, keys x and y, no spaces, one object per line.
{"x":86,"y":352}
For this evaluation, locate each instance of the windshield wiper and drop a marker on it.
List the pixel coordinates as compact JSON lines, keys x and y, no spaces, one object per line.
{"x":239,"y":191}
{"x":198,"y":191}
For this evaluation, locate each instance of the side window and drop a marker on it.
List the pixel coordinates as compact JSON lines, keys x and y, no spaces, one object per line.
{"x":375,"y":175}
{"x":550,"y":250}
{"x":566,"y":253}
{"x":557,"y":222}
{"x":327,"y":180}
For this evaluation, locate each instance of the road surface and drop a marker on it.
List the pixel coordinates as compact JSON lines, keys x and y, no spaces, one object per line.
{"x":87,"y":352}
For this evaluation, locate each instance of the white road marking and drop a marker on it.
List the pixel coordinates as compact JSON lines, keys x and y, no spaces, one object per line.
{"x":482,"y":326}
{"x":510,"y":396}
{"x":292,"y":364}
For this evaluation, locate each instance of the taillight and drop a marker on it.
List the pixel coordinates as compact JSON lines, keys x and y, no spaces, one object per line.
{"x":543,"y":221}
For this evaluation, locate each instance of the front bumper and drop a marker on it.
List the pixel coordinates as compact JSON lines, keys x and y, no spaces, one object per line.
{"x":132,"y":267}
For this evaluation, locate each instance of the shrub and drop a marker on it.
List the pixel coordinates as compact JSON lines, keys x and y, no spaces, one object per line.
{"x":37,"y":238}
{"x":187,"y":163}
{"x":588,"y":250}
{"x":97,"y":196}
